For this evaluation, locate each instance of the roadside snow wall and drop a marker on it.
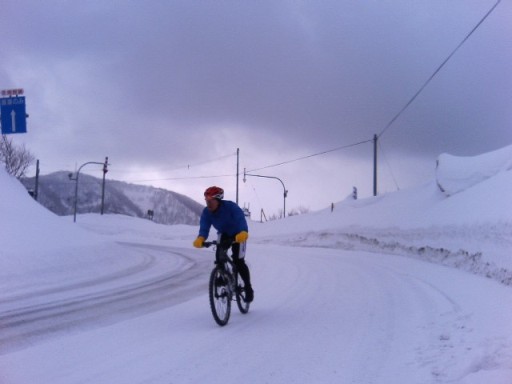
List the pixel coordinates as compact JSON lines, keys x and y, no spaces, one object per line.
{"x":455,"y":174}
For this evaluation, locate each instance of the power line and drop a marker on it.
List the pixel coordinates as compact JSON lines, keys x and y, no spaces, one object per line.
{"x":309,"y":156}
{"x":182,"y":178}
{"x":389,"y":166}
{"x":252,"y":170}
{"x":255,"y":169}
{"x":188,"y":166}
{"x":438,"y":69}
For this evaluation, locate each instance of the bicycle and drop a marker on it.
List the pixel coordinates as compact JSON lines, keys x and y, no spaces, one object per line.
{"x":225,"y":285}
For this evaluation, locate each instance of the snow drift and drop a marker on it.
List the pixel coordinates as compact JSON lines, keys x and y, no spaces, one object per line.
{"x":455,"y":174}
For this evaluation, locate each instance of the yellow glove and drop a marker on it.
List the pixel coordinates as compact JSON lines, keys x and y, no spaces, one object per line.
{"x":198,"y":243}
{"x":241,"y":237}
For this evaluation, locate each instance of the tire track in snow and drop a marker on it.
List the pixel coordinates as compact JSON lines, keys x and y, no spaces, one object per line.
{"x":135,"y":291}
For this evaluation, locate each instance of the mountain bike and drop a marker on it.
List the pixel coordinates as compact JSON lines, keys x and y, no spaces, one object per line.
{"x":225,"y":285}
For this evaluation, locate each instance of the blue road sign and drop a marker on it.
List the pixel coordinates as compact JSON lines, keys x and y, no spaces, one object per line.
{"x":13,"y":115}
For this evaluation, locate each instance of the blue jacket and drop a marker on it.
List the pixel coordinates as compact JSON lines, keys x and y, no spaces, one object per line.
{"x":228,"y":219}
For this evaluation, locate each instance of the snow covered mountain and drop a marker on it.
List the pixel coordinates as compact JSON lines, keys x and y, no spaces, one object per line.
{"x":57,"y":193}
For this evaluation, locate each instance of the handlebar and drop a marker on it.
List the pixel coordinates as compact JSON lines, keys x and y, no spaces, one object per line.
{"x":221,"y":255}
{"x":208,"y":244}
{"x":223,"y":244}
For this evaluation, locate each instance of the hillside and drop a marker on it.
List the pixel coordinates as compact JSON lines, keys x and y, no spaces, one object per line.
{"x":57,"y":193}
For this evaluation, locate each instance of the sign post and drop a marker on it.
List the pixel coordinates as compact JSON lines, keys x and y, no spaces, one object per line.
{"x":13,"y":115}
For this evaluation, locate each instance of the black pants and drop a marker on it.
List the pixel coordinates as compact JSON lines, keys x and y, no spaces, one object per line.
{"x":242,"y":268}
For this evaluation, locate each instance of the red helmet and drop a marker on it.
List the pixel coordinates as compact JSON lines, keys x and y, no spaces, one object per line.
{"x":214,"y":193}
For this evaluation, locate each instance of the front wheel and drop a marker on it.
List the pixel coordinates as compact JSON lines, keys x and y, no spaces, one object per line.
{"x":220,"y":296}
{"x":243,"y":306}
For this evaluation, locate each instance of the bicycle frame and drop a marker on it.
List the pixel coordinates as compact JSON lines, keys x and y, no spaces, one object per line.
{"x":224,"y":261}
{"x":231,"y":287}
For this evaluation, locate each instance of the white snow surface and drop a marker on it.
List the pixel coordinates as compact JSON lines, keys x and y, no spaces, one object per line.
{"x":407,"y":287}
{"x":455,"y":174}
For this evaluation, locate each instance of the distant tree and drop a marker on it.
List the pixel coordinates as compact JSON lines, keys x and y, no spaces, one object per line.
{"x":17,"y":159}
{"x":300,"y":210}
{"x":276,"y":216}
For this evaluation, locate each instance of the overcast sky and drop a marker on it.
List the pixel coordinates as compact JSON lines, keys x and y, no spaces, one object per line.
{"x":170,"y":89}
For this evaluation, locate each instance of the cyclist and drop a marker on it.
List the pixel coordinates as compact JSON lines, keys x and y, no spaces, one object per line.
{"x":229,"y":221}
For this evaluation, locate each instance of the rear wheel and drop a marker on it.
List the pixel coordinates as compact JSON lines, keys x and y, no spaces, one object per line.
{"x":220,"y":298}
{"x":243,"y":306}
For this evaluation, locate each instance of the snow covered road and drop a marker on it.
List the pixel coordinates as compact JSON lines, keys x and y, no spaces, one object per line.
{"x":320,"y":315}
{"x":155,"y":277}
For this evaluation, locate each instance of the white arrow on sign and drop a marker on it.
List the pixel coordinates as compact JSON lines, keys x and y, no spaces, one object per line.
{"x":13,"y":120}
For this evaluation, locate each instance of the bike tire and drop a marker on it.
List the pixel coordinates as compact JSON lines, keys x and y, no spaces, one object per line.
{"x":243,"y":306}
{"x":220,"y":296}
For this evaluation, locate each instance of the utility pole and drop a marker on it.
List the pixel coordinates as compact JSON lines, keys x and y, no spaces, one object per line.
{"x":105,"y":170}
{"x":36,"y":189}
{"x":375,"y":165}
{"x":237,"y":171}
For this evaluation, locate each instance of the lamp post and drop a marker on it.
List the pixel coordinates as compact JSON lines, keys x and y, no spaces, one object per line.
{"x":105,"y":170}
{"x":76,"y":182}
{"x":285,"y":192}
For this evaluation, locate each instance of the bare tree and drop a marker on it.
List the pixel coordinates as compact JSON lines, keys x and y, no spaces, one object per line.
{"x":16,"y":159}
{"x":300,"y":210}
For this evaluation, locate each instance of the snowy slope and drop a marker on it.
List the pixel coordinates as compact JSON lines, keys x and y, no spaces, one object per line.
{"x":119,"y":299}
{"x":471,"y":230}
{"x":455,"y":174}
{"x":57,"y":191}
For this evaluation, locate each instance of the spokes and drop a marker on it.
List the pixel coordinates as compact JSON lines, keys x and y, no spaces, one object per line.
{"x":221,"y":307}
{"x":243,"y":306}
{"x":220,"y":297}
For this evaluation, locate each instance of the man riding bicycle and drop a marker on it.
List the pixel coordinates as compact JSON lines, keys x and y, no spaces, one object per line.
{"x":229,"y":221}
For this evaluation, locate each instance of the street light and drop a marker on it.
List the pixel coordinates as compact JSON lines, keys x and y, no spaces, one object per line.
{"x":76,"y":183}
{"x":285,"y":193}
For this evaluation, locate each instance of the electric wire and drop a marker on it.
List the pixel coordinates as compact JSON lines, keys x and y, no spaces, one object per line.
{"x":438,"y":70}
{"x":183,"y":178}
{"x":389,"y":165}
{"x":309,"y":156}
{"x":188,"y":166}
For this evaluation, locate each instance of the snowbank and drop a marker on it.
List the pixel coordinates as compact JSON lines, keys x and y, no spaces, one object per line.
{"x":455,"y":174}
{"x":470,"y":230}
{"x":36,"y":242}
{"x":27,"y":226}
